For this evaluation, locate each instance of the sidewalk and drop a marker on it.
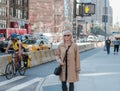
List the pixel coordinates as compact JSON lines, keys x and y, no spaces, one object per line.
{"x":100,"y":72}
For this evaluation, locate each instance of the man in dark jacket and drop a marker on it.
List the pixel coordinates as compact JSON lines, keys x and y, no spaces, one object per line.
{"x":107,"y":43}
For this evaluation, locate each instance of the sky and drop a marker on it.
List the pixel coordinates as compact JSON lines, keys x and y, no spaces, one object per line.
{"x":116,"y":10}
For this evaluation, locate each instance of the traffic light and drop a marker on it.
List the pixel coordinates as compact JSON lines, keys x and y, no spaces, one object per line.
{"x":89,"y":8}
{"x":81,"y":10}
{"x":86,"y":9}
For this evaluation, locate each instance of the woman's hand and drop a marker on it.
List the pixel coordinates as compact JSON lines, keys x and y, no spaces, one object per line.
{"x":60,"y":62}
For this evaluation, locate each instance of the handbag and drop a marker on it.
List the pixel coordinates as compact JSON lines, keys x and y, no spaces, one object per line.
{"x":58,"y":69}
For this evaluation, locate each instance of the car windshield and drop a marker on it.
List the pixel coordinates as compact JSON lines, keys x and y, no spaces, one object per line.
{"x":29,"y":42}
{"x":39,"y":42}
{"x":90,"y":37}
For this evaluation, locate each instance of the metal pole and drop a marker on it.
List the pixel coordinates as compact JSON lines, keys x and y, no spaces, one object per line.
{"x":86,"y":26}
{"x":105,"y":18}
{"x":74,"y":9}
{"x":8,"y":16}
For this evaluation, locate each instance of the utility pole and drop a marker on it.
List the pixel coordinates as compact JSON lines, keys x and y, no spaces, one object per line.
{"x":8,"y":14}
{"x":74,"y":9}
{"x":105,"y":18}
{"x":74,"y":20}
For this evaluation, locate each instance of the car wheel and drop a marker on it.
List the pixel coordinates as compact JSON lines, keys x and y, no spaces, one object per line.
{"x":2,"y":50}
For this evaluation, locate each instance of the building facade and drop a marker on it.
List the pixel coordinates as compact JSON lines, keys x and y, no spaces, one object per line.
{"x":3,"y":13}
{"x":50,"y":15}
{"x":14,"y":13}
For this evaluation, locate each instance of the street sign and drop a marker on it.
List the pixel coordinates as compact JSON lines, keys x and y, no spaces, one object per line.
{"x":104,"y":18}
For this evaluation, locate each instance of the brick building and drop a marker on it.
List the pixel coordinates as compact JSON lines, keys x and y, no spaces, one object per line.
{"x":13,"y":11}
{"x":14,"y":14}
{"x":46,"y":15}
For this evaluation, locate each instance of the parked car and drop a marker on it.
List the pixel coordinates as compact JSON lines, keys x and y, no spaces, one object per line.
{"x":28,"y":35}
{"x":27,"y":44}
{"x":4,"y":44}
{"x":91,"y":38}
{"x":43,"y":44}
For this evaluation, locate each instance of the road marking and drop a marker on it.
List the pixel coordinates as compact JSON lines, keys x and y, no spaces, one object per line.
{"x":99,"y":74}
{"x":18,"y":87}
{"x":11,"y":80}
{"x":48,"y":81}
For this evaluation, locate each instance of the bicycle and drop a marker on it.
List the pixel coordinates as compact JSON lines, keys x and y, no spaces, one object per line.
{"x":12,"y":67}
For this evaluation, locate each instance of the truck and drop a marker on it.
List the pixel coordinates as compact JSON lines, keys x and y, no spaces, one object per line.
{"x":8,"y":31}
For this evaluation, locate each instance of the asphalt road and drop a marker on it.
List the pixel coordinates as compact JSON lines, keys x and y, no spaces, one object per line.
{"x":30,"y":80}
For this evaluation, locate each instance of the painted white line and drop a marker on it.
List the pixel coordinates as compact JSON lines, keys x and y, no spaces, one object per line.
{"x":99,"y":74}
{"x":18,"y":87}
{"x":11,"y":80}
{"x":39,"y":86}
{"x":48,"y":81}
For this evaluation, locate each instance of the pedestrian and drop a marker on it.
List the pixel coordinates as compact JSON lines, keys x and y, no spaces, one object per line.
{"x":107,"y":44}
{"x":116,"y":43}
{"x":71,"y":63}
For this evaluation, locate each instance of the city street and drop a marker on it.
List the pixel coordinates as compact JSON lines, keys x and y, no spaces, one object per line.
{"x":99,"y":72}
{"x":37,"y":27}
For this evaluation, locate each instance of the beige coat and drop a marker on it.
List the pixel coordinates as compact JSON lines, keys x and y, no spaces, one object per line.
{"x":73,"y":61}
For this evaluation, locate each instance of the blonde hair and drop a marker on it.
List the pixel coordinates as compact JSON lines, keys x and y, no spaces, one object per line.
{"x":68,"y":31}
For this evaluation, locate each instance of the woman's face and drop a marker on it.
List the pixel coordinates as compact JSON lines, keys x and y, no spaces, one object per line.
{"x":67,"y":37}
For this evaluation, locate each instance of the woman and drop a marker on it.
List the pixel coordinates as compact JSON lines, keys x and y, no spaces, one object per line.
{"x":70,"y":66}
{"x":116,"y":45}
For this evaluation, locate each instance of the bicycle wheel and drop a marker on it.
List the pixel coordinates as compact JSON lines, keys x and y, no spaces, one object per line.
{"x":22,"y":70}
{"x":9,"y":70}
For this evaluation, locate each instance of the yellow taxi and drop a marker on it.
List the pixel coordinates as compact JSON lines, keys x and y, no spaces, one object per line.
{"x":35,"y":45}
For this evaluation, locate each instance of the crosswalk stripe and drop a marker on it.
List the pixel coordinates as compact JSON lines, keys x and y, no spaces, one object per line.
{"x":11,"y":80}
{"x":25,"y":84}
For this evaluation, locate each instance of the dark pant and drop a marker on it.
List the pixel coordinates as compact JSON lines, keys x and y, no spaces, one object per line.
{"x":116,"y":48}
{"x":108,"y":49}
{"x":64,"y":86}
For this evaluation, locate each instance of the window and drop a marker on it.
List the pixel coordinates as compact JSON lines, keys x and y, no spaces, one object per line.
{"x":11,"y":11}
{"x":3,"y":1}
{"x":11,"y":1}
{"x":19,"y":13}
{"x":18,"y":2}
{"x":3,"y":11}
{"x":2,"y":23}
{"x":25,"y":2}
